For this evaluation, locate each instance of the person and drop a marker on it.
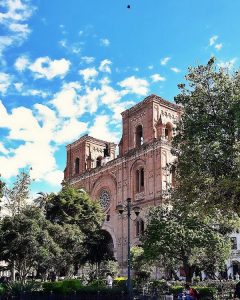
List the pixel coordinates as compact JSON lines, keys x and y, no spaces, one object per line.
{"x":188,"y":293}
{"x":109,"y":281}
{"x":237,"y":276}
{"x":237,"y":291}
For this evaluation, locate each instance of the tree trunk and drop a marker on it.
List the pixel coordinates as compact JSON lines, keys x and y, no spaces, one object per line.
{"x":189,"y":270}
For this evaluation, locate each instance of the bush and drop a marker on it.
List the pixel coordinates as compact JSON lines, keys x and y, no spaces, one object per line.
{"x":120,"y":282}
{"x":204,"y":292}
{"x":97,"y":283}
{"x":62,"y":287}
{"x":159,"y":287}
{"x":2,"y":290}
{"x":18,"y":287}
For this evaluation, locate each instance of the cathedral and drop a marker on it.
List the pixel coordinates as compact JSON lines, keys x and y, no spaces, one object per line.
{"x":137,"y":172}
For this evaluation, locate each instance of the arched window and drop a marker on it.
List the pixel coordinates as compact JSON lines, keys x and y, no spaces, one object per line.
{"x":168,"y":131}
{"x":106,"y":151}
{"x":99,"y":161}
{"x":76,"y":166}
{"x":139,"y":136}
{"x":139,"y":227}
{"x":139,"y":180}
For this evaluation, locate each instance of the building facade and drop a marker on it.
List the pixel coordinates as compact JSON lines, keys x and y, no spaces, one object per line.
{"x":137,"y":172}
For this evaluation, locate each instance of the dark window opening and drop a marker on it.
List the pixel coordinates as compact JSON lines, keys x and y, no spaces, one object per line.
{"x":77,"y":163}
{"x":139,"y":227}
{"x":99,"y":161}
{"x":106,"y":151}
{"x":137,"y":181}
{"x":139,"y":136}
{"x":166,"y":132}
{"x":108,"y":218}
{"x":140,"y":180}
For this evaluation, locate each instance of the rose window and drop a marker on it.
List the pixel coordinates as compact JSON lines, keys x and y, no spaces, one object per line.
{"x":104,"y":199}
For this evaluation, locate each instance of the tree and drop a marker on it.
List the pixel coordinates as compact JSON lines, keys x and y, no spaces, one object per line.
{"x":25,"y":241}
{"x":72,"y":206}
{"x":207,"y":143}
{"x":182,"y":239}
{"x":2,"y":184}
{"x":17,"y":196}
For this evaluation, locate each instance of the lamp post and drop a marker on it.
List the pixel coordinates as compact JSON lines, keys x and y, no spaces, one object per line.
{"x":128,"y":208}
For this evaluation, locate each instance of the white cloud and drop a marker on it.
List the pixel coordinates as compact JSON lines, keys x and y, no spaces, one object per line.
{"x":150,"y":67}
{"x":212,"y":40}
{"x":157,"y":77}
{"x":88,"y":74}
{"x":104,"y":42}
{"x":71,"y":130}
{"x":21,"y":29}
{"x":44,"y":67}
{"x":18,"y":86}
{"x":135,"y":85}
{"x":175,"y":70}
{"x":105,"y":66}
{"x":165,"y":60}
{"x":101,"y":131}
{"x":3,"y":149}
{"x":5,"y":82}
{"x":12,"y":17}
{"x":218,"y":46}
{"x":87,"y":59}
{"x":227,"y":64}
{"x":66,"y":100}
{"x":22,"y":63}
{"x":34,"y":92}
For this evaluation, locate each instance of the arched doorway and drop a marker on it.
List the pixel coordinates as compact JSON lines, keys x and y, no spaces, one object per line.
{"x":100,"y":247}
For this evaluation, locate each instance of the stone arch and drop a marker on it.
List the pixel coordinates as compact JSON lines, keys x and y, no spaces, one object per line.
{"x":105,"y":182}
{"x":138,"y":135}
{"x":137,"y":177}
{"x":108,"y":228}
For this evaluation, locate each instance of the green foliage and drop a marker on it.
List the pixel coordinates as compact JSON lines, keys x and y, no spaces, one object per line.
{"x":71,"y":206}
{"x":25,"y":240}
{"x":2,"y":290}
{"x":2,"y":185}
{"x":62,"y":287}
{"x":17,"y":287}
{"x":97,"y":283}
{"x":177,"y":238}
{"x":120,"y":282}
{"x":141,"y":266}
{"x":75,"y":286}
{"x":17,"y":196}
{"x":207,"y":140}
{"x":159,"y":287}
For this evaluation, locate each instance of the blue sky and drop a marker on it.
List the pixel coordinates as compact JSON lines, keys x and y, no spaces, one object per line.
{"x":71,"y":67}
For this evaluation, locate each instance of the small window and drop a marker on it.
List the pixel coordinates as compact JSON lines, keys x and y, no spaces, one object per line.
{"x":139,"y":136}
{"x":168,"y":131}
{"x":142,"y":179}
{"x":234,"y":243}
{"x":76,"y":167}
{"x":139,"y":227}
{"x":99,"y":161}
{"x":139,"y":180}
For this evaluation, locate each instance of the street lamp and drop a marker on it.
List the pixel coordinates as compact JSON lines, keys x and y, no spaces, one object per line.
{"x":120,"y":208}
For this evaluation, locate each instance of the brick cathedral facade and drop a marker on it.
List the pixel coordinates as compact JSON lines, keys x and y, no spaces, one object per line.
{"x":137,"y":172}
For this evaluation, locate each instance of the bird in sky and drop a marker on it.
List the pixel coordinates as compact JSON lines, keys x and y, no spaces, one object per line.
{"x":128,"y":6}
